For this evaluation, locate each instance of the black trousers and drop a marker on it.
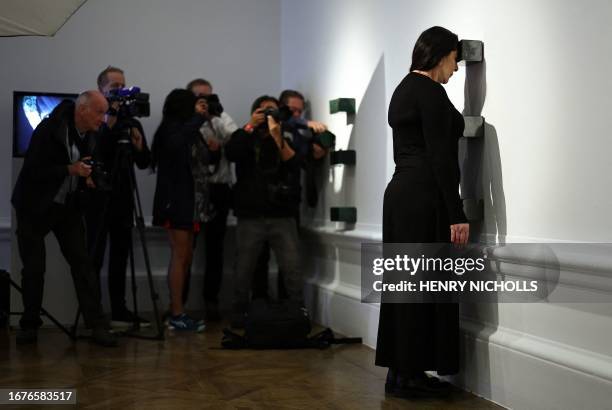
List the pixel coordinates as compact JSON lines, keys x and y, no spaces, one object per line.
{"x":66,"y":223}
{"x":260,"y":277}
{"x":116,"y":227}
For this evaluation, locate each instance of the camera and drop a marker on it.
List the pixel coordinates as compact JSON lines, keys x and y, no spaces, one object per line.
{"x":99,"y":175}
{"x":281,"y":114}
{"x":283,"y":193}
{"x":215,"y":108}
{"x":132,"y":102}
{"x":325,"y":139}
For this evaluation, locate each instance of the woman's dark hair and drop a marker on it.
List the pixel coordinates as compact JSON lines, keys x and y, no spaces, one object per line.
{"x":260,"y":100}
{"x":432,"y":45}
{"x":179,"y":106}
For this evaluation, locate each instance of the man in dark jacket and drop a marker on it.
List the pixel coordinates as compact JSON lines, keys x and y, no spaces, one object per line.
{"x":46,"y":199}
{"x":267,"y":196}
{"x":111,"y":214}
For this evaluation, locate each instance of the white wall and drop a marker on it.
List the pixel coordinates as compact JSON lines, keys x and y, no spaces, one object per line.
{"x":545,"y":172}
{"x":547,"y":95}
{"x":161,"y":45}
{"x":332,"y":50}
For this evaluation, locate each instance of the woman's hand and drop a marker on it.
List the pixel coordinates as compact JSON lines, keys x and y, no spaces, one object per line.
{"x":257,"y":118}
{"x":275,"y":130}
{"x":460,"y":233}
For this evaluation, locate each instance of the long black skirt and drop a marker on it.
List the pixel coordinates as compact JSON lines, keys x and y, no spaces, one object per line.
{"x":417,"y":337}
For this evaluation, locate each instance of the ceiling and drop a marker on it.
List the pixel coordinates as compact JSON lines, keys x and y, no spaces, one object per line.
{"x":35,"y":17}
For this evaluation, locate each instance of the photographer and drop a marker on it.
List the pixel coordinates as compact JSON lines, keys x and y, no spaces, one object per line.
{"x":267,"y":196}
{"x":307,"y":135}
{"x":218,"y":127}
{"x":304,"y":136}
{"x":46,"y":199}
{"x":299,"y":126}
{"x":182,"y":158}
{"x":110,"y":213}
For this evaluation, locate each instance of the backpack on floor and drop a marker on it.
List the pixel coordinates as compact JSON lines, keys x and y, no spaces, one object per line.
{"x":279,"y":326}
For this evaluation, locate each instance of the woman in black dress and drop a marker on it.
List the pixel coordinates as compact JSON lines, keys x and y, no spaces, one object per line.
{"x":181,"y":157}
{"x":422,"y":205}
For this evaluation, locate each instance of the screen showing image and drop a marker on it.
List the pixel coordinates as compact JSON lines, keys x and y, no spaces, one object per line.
{"x":29,"y":109}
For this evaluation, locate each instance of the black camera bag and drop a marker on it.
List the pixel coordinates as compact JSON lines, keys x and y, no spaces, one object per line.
{"x":279,"y":326}
{"x":276,"y":325}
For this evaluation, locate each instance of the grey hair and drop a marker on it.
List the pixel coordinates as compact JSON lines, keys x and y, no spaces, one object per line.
{"x":85,"y":97}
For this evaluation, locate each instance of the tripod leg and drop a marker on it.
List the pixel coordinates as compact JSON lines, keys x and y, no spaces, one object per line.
{"x":47,"y":314}
{"x":136,"y":323}
{"x":140,"y":226}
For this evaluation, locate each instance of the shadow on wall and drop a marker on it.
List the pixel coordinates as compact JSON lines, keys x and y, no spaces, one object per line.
{"x":333,"y":266}
{"x":480,"y":159}
{"x":481,"y":178}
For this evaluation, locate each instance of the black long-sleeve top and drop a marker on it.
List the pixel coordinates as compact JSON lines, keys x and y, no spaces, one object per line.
{"x":426,"y":128}
{"x":266,"y":186}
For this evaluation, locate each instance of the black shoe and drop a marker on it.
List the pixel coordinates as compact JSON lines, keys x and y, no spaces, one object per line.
{"x":391,"y":382}
{"x":420,"y":386}
{"x":101,"y":336}
{"x":212,"y":311}
{"x":437,"y":383}
{"x":26,"y":336}
{"x":125,"y":319}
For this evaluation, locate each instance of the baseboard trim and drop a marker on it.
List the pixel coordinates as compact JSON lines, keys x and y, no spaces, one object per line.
{"x":580,"y":360}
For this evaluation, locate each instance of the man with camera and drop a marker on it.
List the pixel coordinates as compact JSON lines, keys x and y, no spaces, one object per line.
{"x":303,"y":130}
{"x":47,"y":199}
{"x":308,"y":137}
{"x":119,"y":142}
{"x":218,"y":127}
{"x":267,"y":196}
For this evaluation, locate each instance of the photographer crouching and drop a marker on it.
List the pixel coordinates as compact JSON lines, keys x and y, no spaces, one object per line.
{"x":110,"y":213}
{"x":46,"y":199}
{"x":267,"y":196}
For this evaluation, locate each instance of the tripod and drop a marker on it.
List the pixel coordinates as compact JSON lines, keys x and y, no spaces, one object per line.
{"x":123,"y":161}
{"x":5,"y":276}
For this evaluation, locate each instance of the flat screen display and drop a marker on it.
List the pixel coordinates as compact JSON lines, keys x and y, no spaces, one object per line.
{"x":29,"y":109}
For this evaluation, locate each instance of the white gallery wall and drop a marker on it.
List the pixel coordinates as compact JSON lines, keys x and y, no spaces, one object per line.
{"x":544,"y":90}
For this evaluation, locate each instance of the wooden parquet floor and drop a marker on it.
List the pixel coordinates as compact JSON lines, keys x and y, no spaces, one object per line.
{"x":191,"y":371}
